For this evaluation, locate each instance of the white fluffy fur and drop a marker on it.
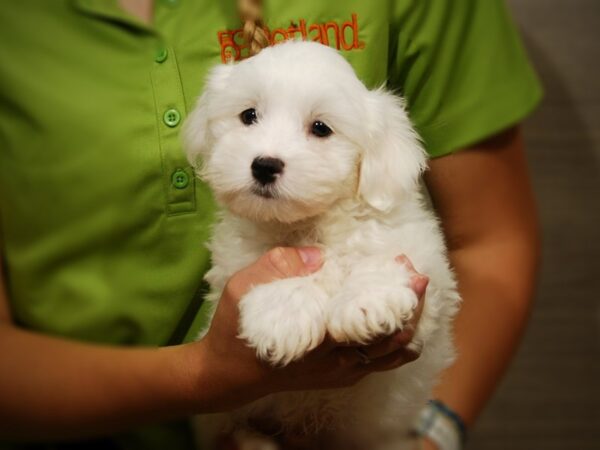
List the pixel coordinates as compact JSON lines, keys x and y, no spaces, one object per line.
{"x":355,"y":194}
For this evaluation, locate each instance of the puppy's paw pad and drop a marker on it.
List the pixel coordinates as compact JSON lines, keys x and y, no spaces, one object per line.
{"x":282,"y":324}
{"x":368,"y":315}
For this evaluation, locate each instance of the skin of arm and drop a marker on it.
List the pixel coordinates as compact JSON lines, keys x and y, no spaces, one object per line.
{"x":53,"y":388}
{"x":484,"y":199}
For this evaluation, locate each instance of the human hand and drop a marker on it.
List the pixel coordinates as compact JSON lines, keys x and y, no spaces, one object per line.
{"x":234,"y":372}
{"x":236,"y":376}
{"x":389,"y":352}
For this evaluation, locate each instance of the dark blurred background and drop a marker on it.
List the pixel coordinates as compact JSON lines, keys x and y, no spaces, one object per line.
{"x":550,"y":398}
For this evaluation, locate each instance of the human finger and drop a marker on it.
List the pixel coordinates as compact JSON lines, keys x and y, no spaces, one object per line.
{"x":388,"y":344}
{"x":403,"y":259}
{"x":419,"y":283}
{"x":395,"y":359}
{"x":277,"y":263}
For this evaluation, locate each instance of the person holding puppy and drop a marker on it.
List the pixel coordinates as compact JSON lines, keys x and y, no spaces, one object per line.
{"x":102,"y":223}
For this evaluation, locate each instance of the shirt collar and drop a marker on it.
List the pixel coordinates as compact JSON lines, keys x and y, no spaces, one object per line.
{"x":109,"y":10}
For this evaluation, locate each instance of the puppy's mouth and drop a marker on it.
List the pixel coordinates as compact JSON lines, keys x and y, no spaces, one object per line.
{"x":268,"y":192}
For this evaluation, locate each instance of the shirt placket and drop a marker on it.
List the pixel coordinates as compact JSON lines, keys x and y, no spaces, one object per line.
{"x":177,"y":175}
{"x":169,"y":101}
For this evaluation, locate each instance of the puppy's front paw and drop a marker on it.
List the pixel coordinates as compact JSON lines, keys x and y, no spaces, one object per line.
{"x":283,"y":320}
{"x":372,"y":304}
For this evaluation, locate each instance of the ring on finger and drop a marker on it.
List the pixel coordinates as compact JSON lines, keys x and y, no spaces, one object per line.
{"x":362,"y":355}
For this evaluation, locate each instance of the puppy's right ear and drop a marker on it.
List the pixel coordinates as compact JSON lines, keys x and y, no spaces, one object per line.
{"x":196,"y":136}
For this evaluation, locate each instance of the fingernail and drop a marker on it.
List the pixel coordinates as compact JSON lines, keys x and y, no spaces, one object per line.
{"x":401,"y":259}
{"x":311,"y":256}
{"x":406,"y":262}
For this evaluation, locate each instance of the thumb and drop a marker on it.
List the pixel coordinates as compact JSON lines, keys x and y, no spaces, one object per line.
{"x":276,"y":264}
{"x":419,"y":283}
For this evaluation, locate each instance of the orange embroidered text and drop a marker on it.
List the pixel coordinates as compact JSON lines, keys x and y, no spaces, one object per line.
{"x":343,"y":36}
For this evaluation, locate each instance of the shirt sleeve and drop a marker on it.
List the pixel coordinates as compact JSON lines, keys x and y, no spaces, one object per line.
{"x":463,"y":70}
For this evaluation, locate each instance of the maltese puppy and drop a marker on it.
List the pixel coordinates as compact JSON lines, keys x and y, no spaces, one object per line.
{"x":300,"y":153}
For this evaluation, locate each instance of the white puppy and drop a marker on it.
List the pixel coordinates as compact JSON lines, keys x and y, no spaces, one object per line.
{"x":300,"y":153}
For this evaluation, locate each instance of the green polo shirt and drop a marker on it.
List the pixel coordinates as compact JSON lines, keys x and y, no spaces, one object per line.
{"x":102,"y":224}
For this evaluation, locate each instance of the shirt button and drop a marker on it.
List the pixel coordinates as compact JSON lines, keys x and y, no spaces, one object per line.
{"x":180,"y":179}
{"x":161,"y":55}
{"x":171,"y":117}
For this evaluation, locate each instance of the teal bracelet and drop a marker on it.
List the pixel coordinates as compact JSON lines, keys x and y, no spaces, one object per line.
{"x":442,"y":426}
{"x":455,"y":418}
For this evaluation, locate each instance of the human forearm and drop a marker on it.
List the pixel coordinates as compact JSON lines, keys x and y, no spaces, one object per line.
{"x":496,"y":280}
{"x":486,"y":204}
{"x":54,"y":388}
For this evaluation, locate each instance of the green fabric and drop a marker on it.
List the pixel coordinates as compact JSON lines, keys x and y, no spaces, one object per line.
{"x":102,"y":224}
{"x":463,"y":70}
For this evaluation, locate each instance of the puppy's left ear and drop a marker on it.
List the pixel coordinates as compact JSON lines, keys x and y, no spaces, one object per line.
{"x":393,"y":159}
{"x":196,"y":136}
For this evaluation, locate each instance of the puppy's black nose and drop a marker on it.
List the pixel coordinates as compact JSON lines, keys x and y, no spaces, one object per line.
{"x":265,"y":170}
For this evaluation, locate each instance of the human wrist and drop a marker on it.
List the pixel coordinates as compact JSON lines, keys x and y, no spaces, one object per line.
{"x":440,"y":427}
{"x":194,"y":377}
{"x":210,"y":383}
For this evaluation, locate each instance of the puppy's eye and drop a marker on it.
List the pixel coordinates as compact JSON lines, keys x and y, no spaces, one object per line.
{"x":248,"y":116}
{"x":319,"y":129}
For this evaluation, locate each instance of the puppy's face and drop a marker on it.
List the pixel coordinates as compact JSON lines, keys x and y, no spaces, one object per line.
{"x":281,"y":135}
